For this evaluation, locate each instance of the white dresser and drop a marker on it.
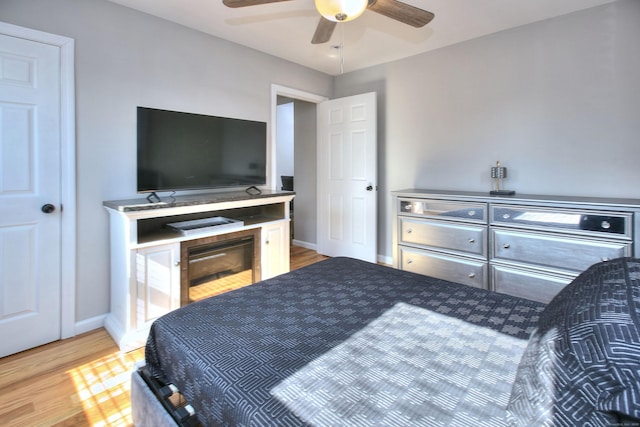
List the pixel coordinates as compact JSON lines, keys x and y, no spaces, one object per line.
{"x":524,"y":245}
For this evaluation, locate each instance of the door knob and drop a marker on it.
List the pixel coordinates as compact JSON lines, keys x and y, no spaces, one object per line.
{"x":48,"y":208}
{"x":369,"y":187}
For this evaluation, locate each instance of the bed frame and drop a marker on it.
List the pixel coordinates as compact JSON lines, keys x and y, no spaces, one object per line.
{"x":158,"y":405}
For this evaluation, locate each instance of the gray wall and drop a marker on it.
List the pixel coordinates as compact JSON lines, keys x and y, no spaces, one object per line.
{"x":557,"y":102}
{"x":124,"y":59}
{"x":305,"y":206}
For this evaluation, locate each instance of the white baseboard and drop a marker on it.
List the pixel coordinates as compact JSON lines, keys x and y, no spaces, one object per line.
{"x":385,"y":260}
{"x":90,"y":324}
{"x":126,"y":340}
{"x":305,"y":245}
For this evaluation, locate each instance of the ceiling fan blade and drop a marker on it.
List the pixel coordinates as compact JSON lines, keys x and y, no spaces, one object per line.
{"x":402,"y":12}
{"x":324,"y":30}
{"x":244,"y":3}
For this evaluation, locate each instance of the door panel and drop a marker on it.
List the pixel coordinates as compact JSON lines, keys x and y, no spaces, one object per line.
{"x":275,"y":250}
{"x":158,"y":282}
{"x":347,"y":175}
{"x":30,"y":281}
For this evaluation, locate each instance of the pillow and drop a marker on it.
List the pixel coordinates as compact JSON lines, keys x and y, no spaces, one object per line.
{"x":582,"y":363}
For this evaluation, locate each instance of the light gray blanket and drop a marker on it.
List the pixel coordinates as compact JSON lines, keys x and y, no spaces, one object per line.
{"x":410,"y":366}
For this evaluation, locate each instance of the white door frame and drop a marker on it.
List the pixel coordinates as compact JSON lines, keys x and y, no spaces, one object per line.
{"x":277,"y":90}
{"x":67,"y":169}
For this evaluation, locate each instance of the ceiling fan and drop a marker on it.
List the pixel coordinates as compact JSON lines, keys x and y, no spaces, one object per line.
{"x":334,"y":11}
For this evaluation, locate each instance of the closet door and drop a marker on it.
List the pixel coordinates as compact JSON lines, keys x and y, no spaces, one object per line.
{"x":30,"y":194}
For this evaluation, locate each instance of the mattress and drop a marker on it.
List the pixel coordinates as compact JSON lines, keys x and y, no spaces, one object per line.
{"x":345,"y":342}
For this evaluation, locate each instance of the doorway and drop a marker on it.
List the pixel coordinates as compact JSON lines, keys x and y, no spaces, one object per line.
{"x":294,"y":113}
{"x":343,"y":161}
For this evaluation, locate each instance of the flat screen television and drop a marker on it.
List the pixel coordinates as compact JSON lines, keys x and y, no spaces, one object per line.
{"x":188,"y":151}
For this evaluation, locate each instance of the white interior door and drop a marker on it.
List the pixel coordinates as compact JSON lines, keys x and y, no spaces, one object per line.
{"x":30,"y":143}
{"x":347,"y":177}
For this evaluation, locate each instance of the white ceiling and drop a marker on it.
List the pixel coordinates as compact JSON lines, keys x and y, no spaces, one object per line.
{"x":285,"y":29}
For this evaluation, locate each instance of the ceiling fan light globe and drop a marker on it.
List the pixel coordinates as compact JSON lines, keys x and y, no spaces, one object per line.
{"x":341,"y":10}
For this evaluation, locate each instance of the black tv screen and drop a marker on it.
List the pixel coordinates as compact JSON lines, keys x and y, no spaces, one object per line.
{"x":187,"y":151}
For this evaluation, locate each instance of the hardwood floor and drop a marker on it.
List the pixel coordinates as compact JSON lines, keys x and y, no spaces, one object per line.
{"x":301,"y":257}
{"x":81,"y":381}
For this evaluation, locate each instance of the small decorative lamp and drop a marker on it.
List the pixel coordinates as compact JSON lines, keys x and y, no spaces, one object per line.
{"x":341,"y":10}
{"x":500,"y":172}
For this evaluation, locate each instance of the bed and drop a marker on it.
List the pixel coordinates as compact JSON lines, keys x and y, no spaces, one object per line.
{"x":345,"y":342}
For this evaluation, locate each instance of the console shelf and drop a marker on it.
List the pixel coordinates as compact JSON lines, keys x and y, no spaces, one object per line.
{"x":145,"y":250}
{"x":150,"y":230}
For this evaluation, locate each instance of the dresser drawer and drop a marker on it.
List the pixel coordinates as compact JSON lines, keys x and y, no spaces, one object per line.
{"x":529,"y":284}
{"x":556,"y":251}
{"x":598,"y":224}
{"x":460,"y":211}
{"x":445,"y":267}
{"x":466,"y":238}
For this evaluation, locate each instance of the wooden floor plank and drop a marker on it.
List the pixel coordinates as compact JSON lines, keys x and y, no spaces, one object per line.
{"x":301,"y":257}
{"x":82,"y":381}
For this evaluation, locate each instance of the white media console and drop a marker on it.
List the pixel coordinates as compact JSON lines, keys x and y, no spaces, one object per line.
{"x":148,"y":241}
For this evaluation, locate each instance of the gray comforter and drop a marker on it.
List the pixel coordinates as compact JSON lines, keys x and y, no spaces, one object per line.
{"x":344,"y":342}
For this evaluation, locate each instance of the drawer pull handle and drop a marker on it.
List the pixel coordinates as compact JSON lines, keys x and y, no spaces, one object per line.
{"x":407,"y":207}
{"x":409,"y":261}
{"x":605,"y":225}
{"x":506,"y":246}
{"x":472,"y":275}
{"x":472,"y":240}
{"x":506,"y":216}
{"x":472,"y":213}
{"x":409,"y":230}
{"x":605,"y":258}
